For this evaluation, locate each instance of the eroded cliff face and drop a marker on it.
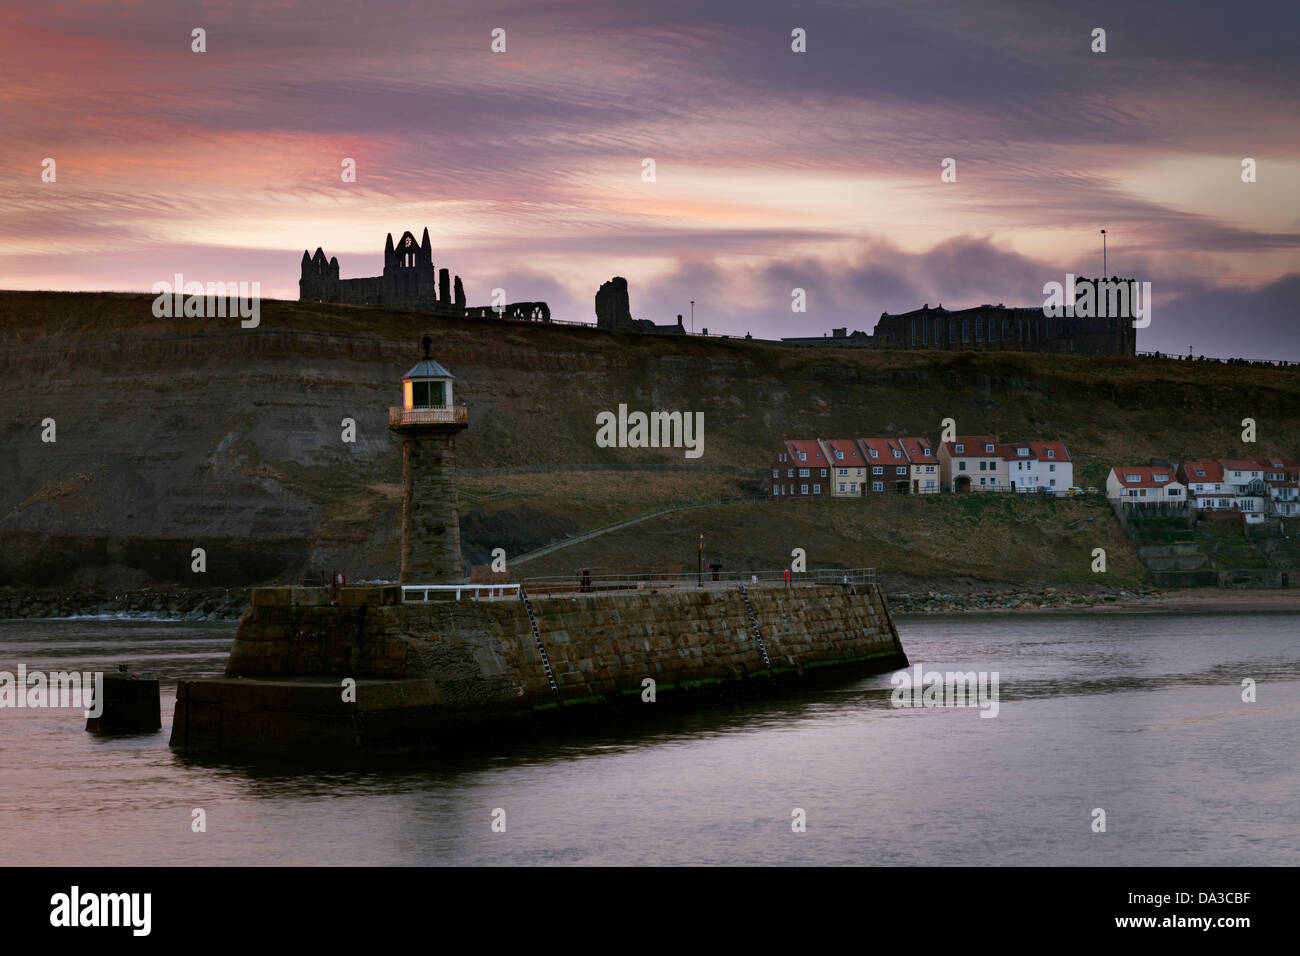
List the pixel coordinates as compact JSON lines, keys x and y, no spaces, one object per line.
{"x":182,"y":433}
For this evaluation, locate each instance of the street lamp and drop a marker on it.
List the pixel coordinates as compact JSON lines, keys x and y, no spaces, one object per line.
{"x":692,"y":316}
{"x":1103,"y":253}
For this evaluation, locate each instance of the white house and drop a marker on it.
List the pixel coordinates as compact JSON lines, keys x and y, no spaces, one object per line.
{"x":1205,"y":484}
{"x":1245,"y":477}
{"x":972,"y":463}
{"x":924,"y":465}
{"x":848,"y":470}
{"x":1038,"y":466}
{"x":1139,"y":485}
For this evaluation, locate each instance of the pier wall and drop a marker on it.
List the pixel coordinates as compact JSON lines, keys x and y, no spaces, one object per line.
{"x":473,"y":662}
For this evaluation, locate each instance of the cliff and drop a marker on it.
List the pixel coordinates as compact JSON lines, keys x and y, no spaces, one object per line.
{"x":179,"y":433}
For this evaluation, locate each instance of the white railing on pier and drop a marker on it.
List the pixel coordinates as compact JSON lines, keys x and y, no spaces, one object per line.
{"x":427,"y":416}
{"x":472,"y":592}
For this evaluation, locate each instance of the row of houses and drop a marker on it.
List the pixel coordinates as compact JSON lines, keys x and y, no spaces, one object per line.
{"x":1254,"y":488}
{"x":857,"y":467}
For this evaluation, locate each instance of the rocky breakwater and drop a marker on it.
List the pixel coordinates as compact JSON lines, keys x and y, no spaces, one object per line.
{"x":374,"y":674}
{"x":173,"y":604}
{"x":1018,"y":599}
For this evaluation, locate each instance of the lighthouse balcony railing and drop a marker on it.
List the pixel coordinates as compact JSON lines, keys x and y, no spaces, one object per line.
{"x":456,"y":414}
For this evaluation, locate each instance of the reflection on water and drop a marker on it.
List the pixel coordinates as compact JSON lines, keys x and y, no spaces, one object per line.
{"x":1140,"y":715}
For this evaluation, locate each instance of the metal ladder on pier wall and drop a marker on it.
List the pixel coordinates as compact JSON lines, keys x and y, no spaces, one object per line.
{"x":753,"y":623}
{"x":541,"y":648}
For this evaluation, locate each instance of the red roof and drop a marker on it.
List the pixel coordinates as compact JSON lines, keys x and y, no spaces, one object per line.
{"x":884,"y":449}
{"x":1011,"y":451}
{"x":852,"y":455}
{"x":1239,"y":464}
{"x":973,"y":446}
{"x":916,"y":448}
{"x":1279,"y":464}
{"x":1202,"y":471}
{"x":811,"y":450}
{"x":1057,"y":449}
{"x":1145,"y":477}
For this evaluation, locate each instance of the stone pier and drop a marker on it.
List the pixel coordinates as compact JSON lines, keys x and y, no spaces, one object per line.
{"x":428,"y":673}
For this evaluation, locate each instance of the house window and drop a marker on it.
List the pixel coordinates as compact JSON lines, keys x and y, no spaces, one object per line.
{"x":1051,"y":453}
{"x":823,"y":472}
{"x":982,"y":468}
{"x":979,"y":329}
{"x":803,"y":456}
{"x":897,"y":453}
{"x":960,"y":448}
{"x":789,"y":472}
{"x":961,"y":466}
{"x":929,"y":484}
{"x":817,"y":489}
{"x":853,"y":487}
{"x":1174,"y":492}
{"x":803,"y":489}
{"x":981,"y":481}
{"x":929,"y":469}
{"x":776,"y":489}
{"x":877,"y":486}
{"x":878,"y":470}
{"x":925,"y":453}
{"x":843,"y":473}
{"x":988,"y":449}
{"x":803,"y":472}
{"x":965,"y":330}
{"x":1051,"y":468}
{"x":841,"y":487}
{"x":776,"y":472}
{"x":1022,"y":452}
{"x":901,"y":470}
{"x":873,"y":453}
{"x":839,"y":454}
{"x":1052,"y":482}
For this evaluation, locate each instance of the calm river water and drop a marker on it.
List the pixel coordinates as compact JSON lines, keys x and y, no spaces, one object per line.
{"x":1140,"y":715}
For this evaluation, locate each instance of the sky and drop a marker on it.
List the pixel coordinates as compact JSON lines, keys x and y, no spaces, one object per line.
{"x":774,"y":170}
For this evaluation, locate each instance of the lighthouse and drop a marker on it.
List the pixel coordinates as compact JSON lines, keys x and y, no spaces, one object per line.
{"x":428,"y":421}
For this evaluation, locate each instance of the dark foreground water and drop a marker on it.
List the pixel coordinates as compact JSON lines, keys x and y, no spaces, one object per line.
{"x":1139,"y":715}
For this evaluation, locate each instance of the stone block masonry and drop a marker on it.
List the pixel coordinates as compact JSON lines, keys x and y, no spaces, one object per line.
{"x":427,"y":672}
{"x":430,"y":525}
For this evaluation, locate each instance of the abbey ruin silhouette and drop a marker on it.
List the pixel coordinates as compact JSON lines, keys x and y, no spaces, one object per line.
{"x":409,"y":282}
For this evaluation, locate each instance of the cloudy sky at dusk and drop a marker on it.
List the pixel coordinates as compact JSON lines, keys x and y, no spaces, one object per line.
{"x":774,"y":169}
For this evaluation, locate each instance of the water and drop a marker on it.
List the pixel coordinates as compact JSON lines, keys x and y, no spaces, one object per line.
{"x":1140,"y":715}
